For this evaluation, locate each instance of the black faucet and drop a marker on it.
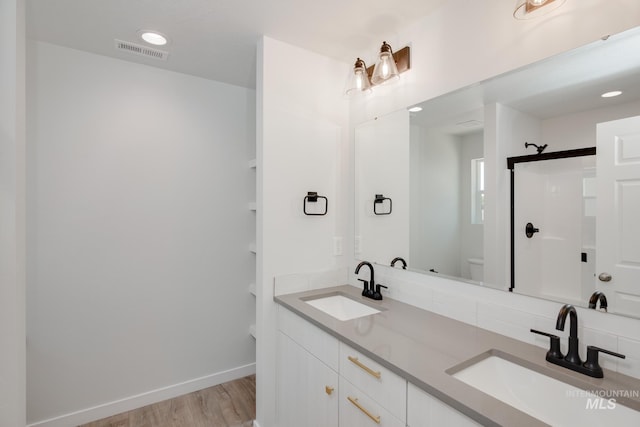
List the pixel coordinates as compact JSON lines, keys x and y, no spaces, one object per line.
{"x":396,"y":259}
{"x":572,"y":359}
{"x":572,"y":355}
{"x":370,"y":290}
{"x":598,"y":296}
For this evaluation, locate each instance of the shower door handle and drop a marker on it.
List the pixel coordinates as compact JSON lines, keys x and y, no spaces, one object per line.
{"x":529,"y":230}
{"x":604,"y":277}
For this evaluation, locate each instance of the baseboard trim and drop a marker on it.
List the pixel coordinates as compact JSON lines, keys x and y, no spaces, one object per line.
{"x":127,"y":404}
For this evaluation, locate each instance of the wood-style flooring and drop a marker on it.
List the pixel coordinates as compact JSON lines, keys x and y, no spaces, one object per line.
{"x":231,"y":404}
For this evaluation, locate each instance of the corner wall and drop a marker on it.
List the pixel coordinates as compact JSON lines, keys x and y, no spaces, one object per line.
{"x":12,"y":211}
{"x":301,"y":147}
{"x":139,"y":228}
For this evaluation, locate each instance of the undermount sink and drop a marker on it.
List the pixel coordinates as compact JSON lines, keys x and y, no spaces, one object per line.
{"x":547,"y":399}
{"x":341,"y":307}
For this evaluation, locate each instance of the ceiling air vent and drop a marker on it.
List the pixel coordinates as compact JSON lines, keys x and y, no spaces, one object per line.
{"x":137,"y":49}
{"x":470,"y":123}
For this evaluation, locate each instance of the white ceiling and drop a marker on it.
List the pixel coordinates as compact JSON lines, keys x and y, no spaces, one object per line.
{"x":216,"y":39}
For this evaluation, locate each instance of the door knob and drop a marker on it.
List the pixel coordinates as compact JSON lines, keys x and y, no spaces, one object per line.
{"x":328,"y":390}
{"x":604,"y":277}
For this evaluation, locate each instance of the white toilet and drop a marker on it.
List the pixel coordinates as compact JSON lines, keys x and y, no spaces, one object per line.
{"x":476,"y":268}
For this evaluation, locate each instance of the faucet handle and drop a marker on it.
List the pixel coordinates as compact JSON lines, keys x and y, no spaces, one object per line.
{"x":365,"y":289}
{"x":554,"y":344}
{"x":377,"y":295}
{"x":592,"y":359}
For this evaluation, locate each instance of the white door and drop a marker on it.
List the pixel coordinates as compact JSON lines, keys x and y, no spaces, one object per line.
{"x":618,"y":214}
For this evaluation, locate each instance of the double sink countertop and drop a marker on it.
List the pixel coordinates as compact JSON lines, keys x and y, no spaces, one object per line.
{"x":422,"y":346}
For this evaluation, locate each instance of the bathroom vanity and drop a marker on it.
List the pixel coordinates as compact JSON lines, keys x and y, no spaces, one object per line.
{"x":405,"y":366}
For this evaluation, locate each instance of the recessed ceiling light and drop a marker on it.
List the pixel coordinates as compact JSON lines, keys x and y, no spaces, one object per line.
{"x":611,"y":94}
{"x":415,"y":109}
{"x":153,"y":38}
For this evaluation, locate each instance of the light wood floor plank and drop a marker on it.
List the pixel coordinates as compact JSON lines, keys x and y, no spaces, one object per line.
{"x":231,"y":404}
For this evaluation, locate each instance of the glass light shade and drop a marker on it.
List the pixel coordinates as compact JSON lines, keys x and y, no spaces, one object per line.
{"x":359,"y":79}
{"x":529,"y":9}
{"x":385,"y":68}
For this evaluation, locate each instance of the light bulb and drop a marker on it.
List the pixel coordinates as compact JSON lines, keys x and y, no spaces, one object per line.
{"x":359,"y":81}
{"x":385,"y":69}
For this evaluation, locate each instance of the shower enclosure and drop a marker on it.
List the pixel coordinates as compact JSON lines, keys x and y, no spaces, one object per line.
{"x":553,"y":214}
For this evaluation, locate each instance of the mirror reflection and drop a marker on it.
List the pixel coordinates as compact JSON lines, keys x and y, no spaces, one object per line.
{"x":445,"y":170}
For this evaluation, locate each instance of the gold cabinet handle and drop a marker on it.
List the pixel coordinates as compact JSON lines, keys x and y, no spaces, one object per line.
{"x":367,"y":369}
{"x":328,"y":390}
{"x":359,"y":406}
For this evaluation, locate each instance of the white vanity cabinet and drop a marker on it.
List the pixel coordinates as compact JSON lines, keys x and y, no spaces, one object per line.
{"x":307,"y":390}
{"x":357,"y":409}
{"x":307,"y":374}
{"x":424,"y":410}
{"x":323,"y":382}
{"x":365,"y":380}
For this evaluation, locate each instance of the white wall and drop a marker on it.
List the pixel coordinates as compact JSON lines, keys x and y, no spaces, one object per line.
{"x":302,"y":134}
{"x":12,"y":209}
{"x":138,"y":234}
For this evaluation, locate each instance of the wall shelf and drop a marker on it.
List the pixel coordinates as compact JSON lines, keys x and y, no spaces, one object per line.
{"x":252,"y":289}
{"x":252,"y":248}
{"x":252,"y":331}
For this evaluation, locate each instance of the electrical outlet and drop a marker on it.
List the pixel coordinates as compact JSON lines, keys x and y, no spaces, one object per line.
{"x":337,"y":246}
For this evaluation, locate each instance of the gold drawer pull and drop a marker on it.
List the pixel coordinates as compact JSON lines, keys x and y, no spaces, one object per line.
{"x":328,"y":390}
{"x":367,"y":369}
{"x":359,"y":406}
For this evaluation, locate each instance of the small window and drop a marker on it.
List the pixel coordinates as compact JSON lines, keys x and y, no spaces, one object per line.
{"x":477,"y":191}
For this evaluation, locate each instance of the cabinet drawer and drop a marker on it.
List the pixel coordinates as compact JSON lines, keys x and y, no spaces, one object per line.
{"x":378,"y":382}
{"x":313,"y":339}
{"x":359,"y":410}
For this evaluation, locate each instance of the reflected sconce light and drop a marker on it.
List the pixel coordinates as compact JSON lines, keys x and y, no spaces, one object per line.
{"x":529,"y":9}
{"x":387,"y":68}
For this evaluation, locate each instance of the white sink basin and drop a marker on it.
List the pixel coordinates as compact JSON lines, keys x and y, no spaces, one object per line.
{"x":341,"y":307}
{"x":547,"y":399}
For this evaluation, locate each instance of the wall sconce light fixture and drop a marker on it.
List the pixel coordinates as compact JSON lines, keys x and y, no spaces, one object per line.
{"x":388,"y":67}
{"x":529,"y":9}
{"x":359,"y":80}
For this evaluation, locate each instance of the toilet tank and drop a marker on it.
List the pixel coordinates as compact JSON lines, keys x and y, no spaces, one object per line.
{"x":476,"y":268}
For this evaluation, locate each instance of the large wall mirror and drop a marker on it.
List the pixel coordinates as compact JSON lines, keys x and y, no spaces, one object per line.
{"x":433,"y":187}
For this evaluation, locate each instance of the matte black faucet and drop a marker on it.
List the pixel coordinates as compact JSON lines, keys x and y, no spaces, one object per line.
{"x":396,"y":259}
{"x":598,"y":296}
{"x":369,"y":287}
{"x":572,"y":355}
{"x":572,"y":359}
